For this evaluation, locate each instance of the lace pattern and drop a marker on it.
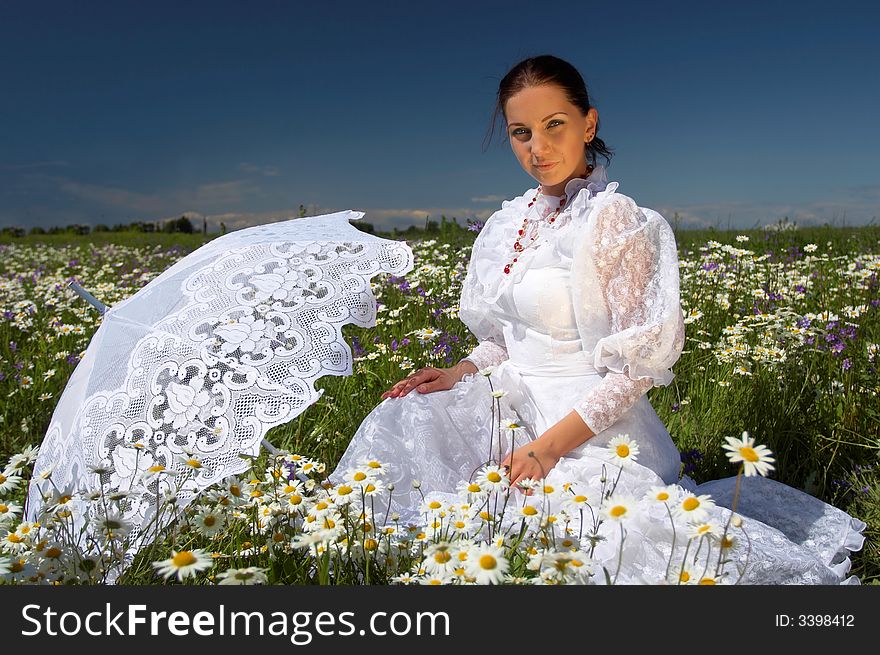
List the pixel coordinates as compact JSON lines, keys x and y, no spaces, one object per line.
{"x":487,"y":353}
{"x":606,"y":402}
{"x":208,"y":357}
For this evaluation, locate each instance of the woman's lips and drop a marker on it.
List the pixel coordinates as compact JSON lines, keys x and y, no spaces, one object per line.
{"x":546,"y":167}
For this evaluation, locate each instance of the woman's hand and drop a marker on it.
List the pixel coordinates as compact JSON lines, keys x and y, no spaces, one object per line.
{"x":521,"y":465}
{"x":425,"y":380}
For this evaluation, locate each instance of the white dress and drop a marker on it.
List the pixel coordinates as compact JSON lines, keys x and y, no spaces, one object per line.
{"x":588,"y":319}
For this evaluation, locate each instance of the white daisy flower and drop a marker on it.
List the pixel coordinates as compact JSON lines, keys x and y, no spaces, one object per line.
{"x":209,"y":522}
{"x":666,"y":494}
{"x":493,"y":478}
{"x":440,"y":558}
{"x":691,"y":507}
{"x":704,"y":529}
{"x":620,"y":508}
{"x":184,"y":563}
{"x":245,"y":576}
{"x":487,"y":564}
{"x":623,"y":449}
{"x":756,"y":460}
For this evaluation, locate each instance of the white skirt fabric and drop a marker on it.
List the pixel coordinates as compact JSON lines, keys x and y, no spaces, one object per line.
{"x":443,"y":438}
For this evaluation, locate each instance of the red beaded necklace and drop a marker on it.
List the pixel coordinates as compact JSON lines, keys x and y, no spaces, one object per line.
{"x":517,"y":246}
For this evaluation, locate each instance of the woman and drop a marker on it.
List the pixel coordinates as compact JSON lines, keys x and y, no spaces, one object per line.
{"x":573,"y":292}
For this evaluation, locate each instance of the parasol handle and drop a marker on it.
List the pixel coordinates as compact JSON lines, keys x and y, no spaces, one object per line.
{"x":94,"y":302}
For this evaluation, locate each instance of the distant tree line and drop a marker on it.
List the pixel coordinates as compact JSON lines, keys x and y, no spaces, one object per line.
{"x":181,"y":225}
{"x":443,"y":228}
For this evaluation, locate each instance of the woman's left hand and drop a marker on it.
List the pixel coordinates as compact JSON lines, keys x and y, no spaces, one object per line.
{"x":522,"y":466}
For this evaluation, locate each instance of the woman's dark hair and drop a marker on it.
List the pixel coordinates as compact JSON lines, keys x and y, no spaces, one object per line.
{"x":547,"y":69}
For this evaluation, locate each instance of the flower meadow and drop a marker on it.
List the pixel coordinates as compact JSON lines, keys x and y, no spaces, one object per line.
{"x":782,"y":344}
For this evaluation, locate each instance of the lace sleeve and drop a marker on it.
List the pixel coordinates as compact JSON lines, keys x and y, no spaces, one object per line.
{"x":637,"y":265}
{"x":487,"y":353}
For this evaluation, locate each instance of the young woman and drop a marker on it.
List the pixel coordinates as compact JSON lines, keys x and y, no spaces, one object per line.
{"x":573,"y":293}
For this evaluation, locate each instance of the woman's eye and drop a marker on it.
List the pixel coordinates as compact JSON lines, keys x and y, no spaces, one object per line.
{"x":517,"y":131}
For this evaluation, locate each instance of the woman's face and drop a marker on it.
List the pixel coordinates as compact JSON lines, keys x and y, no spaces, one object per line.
{"x":545,"y":128}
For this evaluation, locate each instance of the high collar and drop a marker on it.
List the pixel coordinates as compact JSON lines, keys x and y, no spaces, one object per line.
{"x":594,"y":182}
{"x":598,"y":178}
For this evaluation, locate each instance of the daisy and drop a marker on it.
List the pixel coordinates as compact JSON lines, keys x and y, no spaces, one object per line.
{"x":493,"y":478}
{"x":471,"y":490}
{"x":184,"y":563}
{"x":487,"y":564}
{"x":530,"y":513}
{"x":343,"y":494}
{"x":623,"y":449}
{"x":704,"y":529}
{"x":9,"y":481}
{"x":756,"y":460}
{"x":440,"y":558}
{"x":25,"y":457}
{"x":12,"y":542}
{"x":375,"y":466}
{"x":620,"y":508}
{"x":8,"y":511}
{"x":575,"y":503}
{"x":112,"y":526}
{"x":209,"y":523}
{"x":689,"y":574}
{"x":666,"y":494}
{"x":692,"y":507}
{"x":249,"y":575}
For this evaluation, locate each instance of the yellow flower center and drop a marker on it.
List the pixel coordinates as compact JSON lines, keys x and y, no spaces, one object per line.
{"x":321,"y":505}
{"x":442,"y":556}
{"x":622,"y":450}
{"x":209,"y":520}
{"x":157,"y":468}
{"x":360,"y":475}
{"x":493,"y":477}
{"x":196,"y":464}
{"x":2,"y":478}
{"x":749,"y":455}
{"x":580,"y":499}
{"x":343,"y":490}
{"x":374,"y":465}
{"x":548,"y":489}
{"x":183,"y":558}
{"x":371,"y":544}
{"x":295,"y":499}
{"x":53,"y":552}
{"x":707,"y":581}
{"x":64,"y":499}
{"x":473,"y":487}
{"x":726,"y":542}
{"x":3,"y":508}
{"x":488,"y":562}
{"x":685,"y":576}
{"x":435,"y":505}
{"x":617,"y":511}
{"x":690,"y":504}
{"x":663,"y":496}
{"x":14,"y":538}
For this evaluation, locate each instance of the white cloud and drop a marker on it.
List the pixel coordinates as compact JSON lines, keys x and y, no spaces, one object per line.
{"x":268,"y":171}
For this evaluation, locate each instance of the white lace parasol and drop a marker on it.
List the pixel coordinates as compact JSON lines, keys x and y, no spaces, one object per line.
{"x":205,"y":359}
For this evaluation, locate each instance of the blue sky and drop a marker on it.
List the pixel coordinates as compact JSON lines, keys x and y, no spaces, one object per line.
{"x":727,"y":114}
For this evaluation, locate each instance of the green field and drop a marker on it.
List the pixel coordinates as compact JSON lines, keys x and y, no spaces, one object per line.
{"x":783,"y":341}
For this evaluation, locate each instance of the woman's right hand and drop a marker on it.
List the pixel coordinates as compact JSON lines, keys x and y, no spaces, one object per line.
{"x":426,"y":380}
